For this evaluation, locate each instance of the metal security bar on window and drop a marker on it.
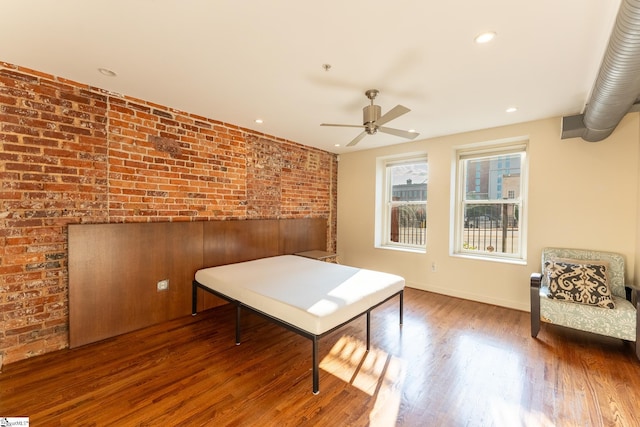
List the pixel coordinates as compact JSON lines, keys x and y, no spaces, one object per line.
{"x":409,"y":224}
{"x":492,"y":228}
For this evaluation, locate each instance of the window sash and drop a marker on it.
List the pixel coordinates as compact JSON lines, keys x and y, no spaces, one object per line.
{"x":490,"y":225}
{"x":404,"y":221}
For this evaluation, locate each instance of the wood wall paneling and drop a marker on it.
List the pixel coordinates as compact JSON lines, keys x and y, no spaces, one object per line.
{"x":299,"y":235}
{"x":226,"y":242}
{"x":114,"y":268}
{"x":113,"y":275}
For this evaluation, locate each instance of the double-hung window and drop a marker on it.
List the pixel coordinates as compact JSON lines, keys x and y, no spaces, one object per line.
{"x":402,"y":200}
{"x":490,"y":202}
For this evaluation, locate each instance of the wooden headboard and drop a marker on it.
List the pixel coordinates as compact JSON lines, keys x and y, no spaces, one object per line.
{"x":114,"y":268}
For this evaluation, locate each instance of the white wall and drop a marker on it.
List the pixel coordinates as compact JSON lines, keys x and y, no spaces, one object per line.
{"x":581,"y":195}
{"x":637,"y":263}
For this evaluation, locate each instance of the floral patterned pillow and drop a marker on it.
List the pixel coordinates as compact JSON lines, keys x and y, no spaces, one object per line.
{"x":580,"y":281}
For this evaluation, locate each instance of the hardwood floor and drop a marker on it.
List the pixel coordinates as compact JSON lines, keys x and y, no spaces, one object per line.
{"x":453,"y":363}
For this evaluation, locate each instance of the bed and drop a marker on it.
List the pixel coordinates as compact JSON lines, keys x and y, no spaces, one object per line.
{"x":310,"y":297}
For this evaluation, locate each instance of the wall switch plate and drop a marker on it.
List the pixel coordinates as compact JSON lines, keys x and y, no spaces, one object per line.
{"x":163,"y":285}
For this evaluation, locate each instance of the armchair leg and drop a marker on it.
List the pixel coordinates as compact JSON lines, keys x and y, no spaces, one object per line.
{"x":535,"y":303}
{"x":535,"y":325}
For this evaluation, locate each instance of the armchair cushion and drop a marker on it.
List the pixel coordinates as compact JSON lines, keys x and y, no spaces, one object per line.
{"x":619,"y":323}
{"x":578,"y":281}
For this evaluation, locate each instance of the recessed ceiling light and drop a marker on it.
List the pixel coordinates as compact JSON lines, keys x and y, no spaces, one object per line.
{"x":107,"y":72}
{"x":511,"y":110}
{"x":485,"y":37}
{"x":411,"y":131}
{"x":259,"y":121}
{"x":336,"y":145}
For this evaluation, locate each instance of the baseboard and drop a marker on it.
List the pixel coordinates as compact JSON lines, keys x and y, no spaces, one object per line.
{"x":470,"y":296}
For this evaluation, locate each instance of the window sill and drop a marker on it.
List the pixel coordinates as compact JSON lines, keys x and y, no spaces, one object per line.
{"x":515,"y":261}
{"x":402,"y":249}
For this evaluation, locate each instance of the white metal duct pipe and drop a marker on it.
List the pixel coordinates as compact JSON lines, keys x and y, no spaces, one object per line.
{"x":618,"y":83}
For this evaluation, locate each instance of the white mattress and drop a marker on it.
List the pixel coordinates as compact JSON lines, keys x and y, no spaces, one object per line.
{"x":312,"y":295}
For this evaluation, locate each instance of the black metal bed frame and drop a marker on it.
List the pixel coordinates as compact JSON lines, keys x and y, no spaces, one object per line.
{"x":313,"y":337}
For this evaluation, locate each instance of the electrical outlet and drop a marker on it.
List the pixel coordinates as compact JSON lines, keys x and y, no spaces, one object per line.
{"x":163,"y":285}
{"x":433,"y":267}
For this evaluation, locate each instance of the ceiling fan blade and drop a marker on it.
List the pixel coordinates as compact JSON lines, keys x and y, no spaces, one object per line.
{"x":343,"y":126}
{"x":398,"y":132}
{"x":357,"y":139}
{"x":395,"y":112}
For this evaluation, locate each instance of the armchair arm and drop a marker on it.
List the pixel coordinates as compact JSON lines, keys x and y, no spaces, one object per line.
{"x":632,"y":292}
{"x":633,"y":295}
{"x":536,"y":280}
{"x":535,"y":283}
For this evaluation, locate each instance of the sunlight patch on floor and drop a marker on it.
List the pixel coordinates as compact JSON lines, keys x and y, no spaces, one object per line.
{"x":511,"y":414}
{"x":376,"y":373}
{"x":487,"y":370}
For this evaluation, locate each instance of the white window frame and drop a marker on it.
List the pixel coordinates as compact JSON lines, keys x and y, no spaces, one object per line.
{"x":478,"y":151}
{"x":384,"y":202}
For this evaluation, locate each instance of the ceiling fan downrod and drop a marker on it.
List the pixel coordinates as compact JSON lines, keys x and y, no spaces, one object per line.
{"x":371,"y":113}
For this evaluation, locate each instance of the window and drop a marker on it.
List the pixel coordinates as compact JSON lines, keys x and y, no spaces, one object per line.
{"x":401,"y":221}
{"x":490,"y":199}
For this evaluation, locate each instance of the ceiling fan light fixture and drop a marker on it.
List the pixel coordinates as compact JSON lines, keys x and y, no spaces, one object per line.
{"x":485,"y":37}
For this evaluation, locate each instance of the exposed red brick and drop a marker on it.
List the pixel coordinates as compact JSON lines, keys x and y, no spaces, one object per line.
{"x":71,"y":153}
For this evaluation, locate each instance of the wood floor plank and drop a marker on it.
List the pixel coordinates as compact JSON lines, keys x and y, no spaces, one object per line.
{"x":452,"y":363}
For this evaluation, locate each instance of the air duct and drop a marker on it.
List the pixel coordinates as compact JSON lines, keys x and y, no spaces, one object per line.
{"x":617,"y":86}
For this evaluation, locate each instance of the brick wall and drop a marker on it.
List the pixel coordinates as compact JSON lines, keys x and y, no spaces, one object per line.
{"x":70,"y":153}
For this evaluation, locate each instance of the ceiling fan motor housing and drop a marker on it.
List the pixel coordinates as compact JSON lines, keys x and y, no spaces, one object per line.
{"x":370,"y":114}
{"x":373,"y":120}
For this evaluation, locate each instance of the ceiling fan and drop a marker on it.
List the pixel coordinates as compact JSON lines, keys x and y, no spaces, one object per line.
{"x":373,"y":121}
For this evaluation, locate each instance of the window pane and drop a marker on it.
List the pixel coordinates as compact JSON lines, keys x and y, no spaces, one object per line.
{"x":491,"y":228}
{"x":492,"y":178}
{"x":489,"y":201}
{"x":408,"y":223}
{"x":406,"y":203}
{"x":409,"y":182}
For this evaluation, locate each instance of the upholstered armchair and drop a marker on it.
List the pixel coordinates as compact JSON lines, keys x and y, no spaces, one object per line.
{"x":585,"y":290}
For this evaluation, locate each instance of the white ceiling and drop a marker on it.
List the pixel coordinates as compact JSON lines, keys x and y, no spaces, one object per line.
{"x":235,"y":61}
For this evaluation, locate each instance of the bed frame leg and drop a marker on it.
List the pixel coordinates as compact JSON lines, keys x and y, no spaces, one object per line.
{"x":368,"y":330}
{"x":194,"y":298}
{"x":316,"y":374}
{"x":238,"y":311}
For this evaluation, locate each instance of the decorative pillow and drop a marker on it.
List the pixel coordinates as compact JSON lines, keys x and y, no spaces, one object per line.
{"x":580,"y":281}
